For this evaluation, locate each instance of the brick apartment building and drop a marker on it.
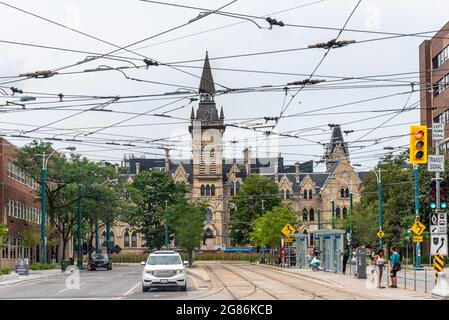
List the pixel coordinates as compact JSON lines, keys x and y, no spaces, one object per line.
{"x":19,"y":207}
{"x":434,"y":79}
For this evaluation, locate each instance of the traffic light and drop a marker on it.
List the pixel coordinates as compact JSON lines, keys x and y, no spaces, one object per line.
{"x":433,"y":194}
{"x":418,"y":144}
{"x":443,"y":195}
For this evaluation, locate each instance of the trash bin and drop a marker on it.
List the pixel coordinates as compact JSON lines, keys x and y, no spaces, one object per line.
{"x":64,"y":265}
{"x":361,"y":262}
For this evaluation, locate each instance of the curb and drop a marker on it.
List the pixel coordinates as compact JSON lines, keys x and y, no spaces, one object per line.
{"x":23,"y":280}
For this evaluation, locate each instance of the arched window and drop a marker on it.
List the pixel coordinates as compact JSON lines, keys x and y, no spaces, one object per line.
{"x":237,"y":187}
{"x":305,"y":214}
{"x":208,"y":215}
{"x":311,"y":215}
{"x":103,"y":239}
{"x":203,"y":190}
{"x":342,"y":192}
{"x":305,"y":194}
{"x":208,"y":234}
{"x":310,"y":194}
{"x":207,"y":190}
{"x":337,"y":213}
{"x":232,"y":188}
{"x":134,"y":239}
{"x":126,"y":239}
{"x":287,"y":194}
{"x":345,"y":211}
{"x":347,"y":193}
{"x":212,"y":190}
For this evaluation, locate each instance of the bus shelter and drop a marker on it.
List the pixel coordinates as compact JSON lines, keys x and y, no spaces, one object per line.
{"x":301,"y":250}
{"x":329,"y":243}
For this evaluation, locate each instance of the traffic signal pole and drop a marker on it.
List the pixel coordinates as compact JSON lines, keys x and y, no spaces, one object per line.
{"x":418,"y":265}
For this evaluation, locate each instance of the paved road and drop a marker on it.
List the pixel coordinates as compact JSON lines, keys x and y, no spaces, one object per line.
{"x":227,"y":281}
{"x":122,"y":282}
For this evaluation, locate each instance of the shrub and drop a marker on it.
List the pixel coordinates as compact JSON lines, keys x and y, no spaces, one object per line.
{"x":40,"y":266}
{"x":5,"y":270}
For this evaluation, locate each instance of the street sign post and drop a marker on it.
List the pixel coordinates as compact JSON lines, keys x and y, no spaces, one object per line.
{"x":380,"y":234}
{"x":438,"y":131}
{"x":435,"y":163}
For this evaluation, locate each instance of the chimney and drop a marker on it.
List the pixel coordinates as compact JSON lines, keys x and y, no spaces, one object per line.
{"x":297,"y":171}
{"x":167,"y":160}
{"x":247,"y":161}
{"x":137,"y":167}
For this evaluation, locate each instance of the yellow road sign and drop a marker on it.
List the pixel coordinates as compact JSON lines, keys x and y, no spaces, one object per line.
{"x":380,"y":234}
{"x":288,"y":230}
{"x":418,"y":228}
{"x":418,"y":239}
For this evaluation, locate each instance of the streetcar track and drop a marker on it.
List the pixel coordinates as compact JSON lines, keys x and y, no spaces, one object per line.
{"x":306,"y":278}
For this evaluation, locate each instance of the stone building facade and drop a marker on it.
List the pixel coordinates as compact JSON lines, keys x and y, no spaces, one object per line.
{"x":208,"y":176}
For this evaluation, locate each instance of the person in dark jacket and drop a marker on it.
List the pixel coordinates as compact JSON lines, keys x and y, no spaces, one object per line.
{"x":345,"y":258}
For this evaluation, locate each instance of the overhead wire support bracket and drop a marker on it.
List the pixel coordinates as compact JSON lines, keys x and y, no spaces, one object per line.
{"x":306,"y":82}
{"x":274,"y":22}
{"x":39,"y":74}
{"x":332,"y":44}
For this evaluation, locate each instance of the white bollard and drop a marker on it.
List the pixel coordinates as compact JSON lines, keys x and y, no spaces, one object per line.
{"x":441,"y":289}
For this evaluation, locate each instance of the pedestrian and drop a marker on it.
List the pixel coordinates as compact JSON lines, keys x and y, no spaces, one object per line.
{"x":395,"y":266}
{"x":345,"y":258}
{"x":379,"y":263}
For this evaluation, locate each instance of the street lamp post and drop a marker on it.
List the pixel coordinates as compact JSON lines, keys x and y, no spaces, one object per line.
{"x":379,"y":192}
{"x":79,"y":246}
{"x":45,"y":159}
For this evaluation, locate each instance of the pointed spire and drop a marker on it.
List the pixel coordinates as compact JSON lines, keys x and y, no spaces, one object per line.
{"x":192,"y":115}
{"x":337,"y":139}
{"x":221,"y":113}
{"x":207,"y":81}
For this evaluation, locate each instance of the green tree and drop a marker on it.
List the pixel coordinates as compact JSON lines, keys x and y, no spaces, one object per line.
{"x":150,"y":193}
{"x":186,"y":220}
{"x":3,"y":235}
{"x":398,"y":197}
{"x":266,"y":229}
{"x":257,"y":194}
{"x":63,"y":177}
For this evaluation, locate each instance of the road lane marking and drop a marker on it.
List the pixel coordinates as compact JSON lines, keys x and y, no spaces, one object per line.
{"x":194,"y":281}
{"x":131,"y":290}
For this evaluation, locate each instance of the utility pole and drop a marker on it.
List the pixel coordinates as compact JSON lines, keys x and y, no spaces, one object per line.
{"x":333,"y":213}
{"x":263,"y":208}
{"x":166,"y":227}
{"x":80,"y":251}
{"x":108,"y":235}
{"x":43,"y":255}
{"x":97,"y":242}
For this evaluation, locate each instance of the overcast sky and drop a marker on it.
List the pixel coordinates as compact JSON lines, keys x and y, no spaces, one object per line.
{"x":124,"y":22}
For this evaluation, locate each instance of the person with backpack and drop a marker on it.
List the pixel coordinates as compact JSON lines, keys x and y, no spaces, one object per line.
{"x":395,"y":267}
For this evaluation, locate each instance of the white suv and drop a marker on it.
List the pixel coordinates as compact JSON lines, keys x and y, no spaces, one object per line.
{"x":164,"y":269}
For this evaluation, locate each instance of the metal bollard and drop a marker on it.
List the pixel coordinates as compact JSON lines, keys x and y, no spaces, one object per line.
{"x":425,"y":280}
{"x":414,"y":280}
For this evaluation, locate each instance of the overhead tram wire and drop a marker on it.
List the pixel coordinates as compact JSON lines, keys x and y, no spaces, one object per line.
{"x":119,"y":48}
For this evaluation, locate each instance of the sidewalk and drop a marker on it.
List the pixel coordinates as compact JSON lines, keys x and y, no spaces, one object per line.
{"x":15,"y":278}
{"x":362,"y":287}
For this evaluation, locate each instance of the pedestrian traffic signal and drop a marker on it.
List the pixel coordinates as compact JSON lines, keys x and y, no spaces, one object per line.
{"x":418,"y":144}
{"x":433,"y":194}
{"x":443,"y":195}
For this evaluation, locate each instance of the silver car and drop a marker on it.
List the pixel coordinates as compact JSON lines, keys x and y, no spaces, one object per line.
{"x":164,"y":269}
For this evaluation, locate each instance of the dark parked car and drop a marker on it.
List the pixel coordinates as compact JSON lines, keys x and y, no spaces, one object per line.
{"x":101,"y":260}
